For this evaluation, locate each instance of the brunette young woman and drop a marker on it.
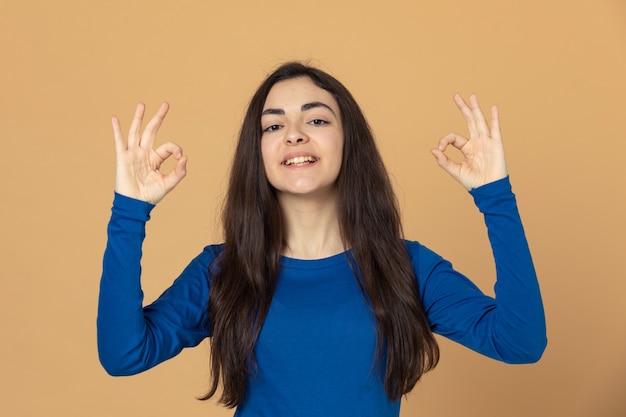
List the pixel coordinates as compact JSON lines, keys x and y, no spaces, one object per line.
{"x":315,"y":304}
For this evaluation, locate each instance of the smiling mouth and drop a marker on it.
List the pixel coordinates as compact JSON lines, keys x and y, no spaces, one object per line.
{"x":300,"y":160}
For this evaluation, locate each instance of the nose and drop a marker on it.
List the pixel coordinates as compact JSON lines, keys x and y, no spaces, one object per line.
{"x":295,"y":136}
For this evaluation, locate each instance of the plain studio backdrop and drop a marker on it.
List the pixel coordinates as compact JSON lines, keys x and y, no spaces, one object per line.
{"x":556,"y":69}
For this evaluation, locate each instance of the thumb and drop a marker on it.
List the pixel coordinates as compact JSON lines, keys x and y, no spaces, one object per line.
{"x":179,"y":172}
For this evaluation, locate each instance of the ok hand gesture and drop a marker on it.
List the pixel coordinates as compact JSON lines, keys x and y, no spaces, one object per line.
{"x":138,"y":163}
{"x":483,"y":153}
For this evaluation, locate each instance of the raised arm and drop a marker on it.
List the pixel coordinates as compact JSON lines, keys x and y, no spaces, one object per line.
{"x":511,"y":326}
{"x":131,"y":337}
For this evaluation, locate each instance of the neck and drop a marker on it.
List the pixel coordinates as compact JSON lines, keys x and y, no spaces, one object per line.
{"x":311,"y":227}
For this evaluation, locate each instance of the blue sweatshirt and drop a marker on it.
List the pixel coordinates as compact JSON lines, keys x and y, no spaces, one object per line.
{"x":316,"y":350}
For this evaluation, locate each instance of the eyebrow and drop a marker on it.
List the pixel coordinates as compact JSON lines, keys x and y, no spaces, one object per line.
{"x":304,"y":107}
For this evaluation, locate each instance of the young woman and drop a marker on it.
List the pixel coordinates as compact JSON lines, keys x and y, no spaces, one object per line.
{"x":315,"y":305}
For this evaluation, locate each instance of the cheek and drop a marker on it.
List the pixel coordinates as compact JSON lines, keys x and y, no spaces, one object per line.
{"x":266,"y":157}
{"x":265,"y":152}
{"x":338,"y":151}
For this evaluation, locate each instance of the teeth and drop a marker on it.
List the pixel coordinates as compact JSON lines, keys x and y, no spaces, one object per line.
{"x":300,"y":160}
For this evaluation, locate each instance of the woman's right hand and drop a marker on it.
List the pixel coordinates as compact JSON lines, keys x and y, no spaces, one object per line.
{"x":138,"y":162}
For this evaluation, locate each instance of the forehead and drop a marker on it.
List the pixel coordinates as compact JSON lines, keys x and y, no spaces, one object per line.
{"x":298,"y":91}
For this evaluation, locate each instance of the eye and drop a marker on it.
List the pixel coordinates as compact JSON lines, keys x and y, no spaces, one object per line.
{"x":318,"y":122}
{"x":271,"y":128}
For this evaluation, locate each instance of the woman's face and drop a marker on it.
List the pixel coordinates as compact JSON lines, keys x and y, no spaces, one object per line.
{"x":302,"y":141}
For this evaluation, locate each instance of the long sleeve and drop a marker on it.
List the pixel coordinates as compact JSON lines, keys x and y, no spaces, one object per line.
{"x":132,"y":338}
{"x":510,"y":327}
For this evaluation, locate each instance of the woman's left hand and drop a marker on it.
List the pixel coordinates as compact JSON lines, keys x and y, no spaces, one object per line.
{"x":483,"y":153}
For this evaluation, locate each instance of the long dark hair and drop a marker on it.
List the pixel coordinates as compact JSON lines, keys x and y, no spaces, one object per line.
{"x":244,"y":275}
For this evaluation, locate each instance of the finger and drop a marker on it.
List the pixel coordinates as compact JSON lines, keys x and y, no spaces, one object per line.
{"x":495,"y":123}
{"x":453,"y":139}
{"x":166,"y":150}
{"x":468,"y":114}
{"x":479,"y":118}
{"x":118,"y":137}
{"x":135,"y":128}
{"x":149,"y":134}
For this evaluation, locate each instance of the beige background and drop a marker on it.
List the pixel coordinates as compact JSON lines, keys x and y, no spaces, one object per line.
{"x":556,"y":69}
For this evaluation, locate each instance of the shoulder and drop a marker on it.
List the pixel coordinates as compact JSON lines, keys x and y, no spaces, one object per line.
{"x":204,"y":264}
{"x":427,"y":265}
{"x":210,"y":254}
{"x":420,"y":254}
